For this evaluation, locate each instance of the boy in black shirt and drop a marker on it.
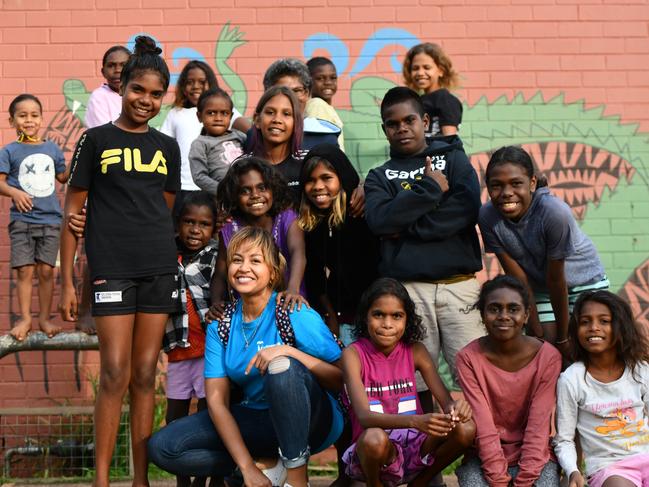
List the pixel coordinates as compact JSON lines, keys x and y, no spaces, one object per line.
{"x":424,"y":204}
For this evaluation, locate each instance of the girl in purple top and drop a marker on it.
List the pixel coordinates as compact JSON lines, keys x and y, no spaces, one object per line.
{"x":254,"y":194}
{"x":394,"y":441}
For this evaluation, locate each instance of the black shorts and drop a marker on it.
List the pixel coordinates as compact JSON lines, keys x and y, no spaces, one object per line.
{"x":152,"y":294}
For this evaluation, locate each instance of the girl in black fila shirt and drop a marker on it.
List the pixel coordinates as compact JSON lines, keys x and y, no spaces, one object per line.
{"x":129,"y":173}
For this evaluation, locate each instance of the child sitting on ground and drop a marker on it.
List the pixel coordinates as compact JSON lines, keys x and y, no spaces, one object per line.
{"x":394,"y":441}
{"x":28,"y":170}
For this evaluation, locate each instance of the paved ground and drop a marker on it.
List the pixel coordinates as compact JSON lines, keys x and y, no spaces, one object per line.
{"x":314,"y":481}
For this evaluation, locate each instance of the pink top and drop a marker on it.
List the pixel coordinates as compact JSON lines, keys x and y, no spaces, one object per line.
{"x":104,"y":105}
{"x":512,"y":412}
{"x":389,"y":381}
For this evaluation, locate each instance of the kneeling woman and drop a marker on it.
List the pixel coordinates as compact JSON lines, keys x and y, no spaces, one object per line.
{"x":287,"y":401}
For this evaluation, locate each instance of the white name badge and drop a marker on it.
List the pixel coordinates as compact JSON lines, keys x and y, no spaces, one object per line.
{"x":108,"y":297}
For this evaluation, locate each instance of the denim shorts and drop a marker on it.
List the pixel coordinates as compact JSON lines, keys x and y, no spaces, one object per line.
{"x":152,"y":294}
{"x":31,"y":243}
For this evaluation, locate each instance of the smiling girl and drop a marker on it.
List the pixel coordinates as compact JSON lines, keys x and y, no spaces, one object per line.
{"x":277,"y":134}
{"x":395,"y":442}
{"x":537,"y":240}
{"x":509,"y":380}
{"x":604,"y":396}
{"x":342,"y":254}
{"x":428,"y":70}
{"x":129,"y":173}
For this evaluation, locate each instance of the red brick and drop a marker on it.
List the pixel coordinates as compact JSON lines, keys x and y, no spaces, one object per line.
{"x":557,"y":46}
{"x":637,"y":78}
{"x":467,"y":46}
{"x":72,"y":4}
{"x":48,"y":19}
{"x":143,"y":17}
{"x":489,"y":29}
{"x":210,"y":3}
{"x":73,"y":36}
{"x":537,"y":62}
{"x":13,"y":53}
{"x":464,"y":14}
{"x":582,"y":61}
{"x":184,"y":16}
{"x":113,"y":4}
{"x":558,"y":79}
{"x":475,"y":80}
{"x":23,"y":5}
{"x":418,"y":14}
{"x":93,"y":17}
{"x":287,"y":48}
{"x":73,"y":69}
{"x":625,"y":29}
{"x":628,"y":61}
{"x":50,"y":52}
{"x":602,"y":46}
{"x":288,"y":32}
{"x":175,"y":33}
{"x":115,"y":34}
{"x":535,"y":29}
{"x":555,"y":12}
{"x":351,"y":3}
{"x":12,"y":19}
{"x":634,"y":45}
{"x":511,"y":46}
{"x":521,"y":79}
{"x":610,"y":80}
{"x":629,"y":94}
{"x":235,"y":16}
{"x":27,"y":69}
{"x":18,"y":35}
{"x":164,"y":4}
{"x":613,"y":12}
{"x":374,"y":14}
{"x":286,"y":15}
{"x":580,"y":29}
{"x":325,"y":15}
{"x":444,"y":30}
{"x":491,"y":63}
{"x":510,"y":12}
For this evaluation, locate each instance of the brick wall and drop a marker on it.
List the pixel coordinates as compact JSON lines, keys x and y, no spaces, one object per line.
{"x":565,"y":78}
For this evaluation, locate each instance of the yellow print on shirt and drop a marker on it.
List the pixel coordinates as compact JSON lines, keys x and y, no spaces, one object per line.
{"x":622,"y":424}
{"x":132,"y":160}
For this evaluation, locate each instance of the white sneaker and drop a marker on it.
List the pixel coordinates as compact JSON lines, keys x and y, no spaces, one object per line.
{"x":276,"y":474}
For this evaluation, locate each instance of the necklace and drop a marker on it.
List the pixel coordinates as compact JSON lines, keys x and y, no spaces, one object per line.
{"x":248,"y":339}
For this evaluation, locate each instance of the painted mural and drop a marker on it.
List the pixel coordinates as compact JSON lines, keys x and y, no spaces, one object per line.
{"x":592,"y":161}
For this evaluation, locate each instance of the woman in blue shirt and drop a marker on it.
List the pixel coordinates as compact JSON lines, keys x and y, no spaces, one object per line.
{"x":287,"y":406}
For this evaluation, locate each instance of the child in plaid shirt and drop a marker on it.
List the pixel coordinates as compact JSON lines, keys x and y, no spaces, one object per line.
{"x":184,"y":339}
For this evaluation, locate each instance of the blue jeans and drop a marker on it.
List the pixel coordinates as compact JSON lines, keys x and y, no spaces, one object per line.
{"x":299,"y":419}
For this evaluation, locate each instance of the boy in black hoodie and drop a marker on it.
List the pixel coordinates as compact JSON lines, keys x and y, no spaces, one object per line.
{"x":424,"y":205}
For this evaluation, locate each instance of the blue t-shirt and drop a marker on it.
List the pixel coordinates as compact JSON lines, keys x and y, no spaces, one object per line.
{"x":311,"y":335}
{"x":32,"y":168}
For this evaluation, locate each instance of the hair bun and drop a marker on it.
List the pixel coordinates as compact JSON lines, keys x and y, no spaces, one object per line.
{"x":541,"y":182}
{"x":146,"y":45}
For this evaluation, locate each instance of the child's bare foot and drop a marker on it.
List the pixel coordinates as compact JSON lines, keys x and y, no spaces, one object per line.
{"x":49,"y":328}
{"x":21,"y":329}
{"x":86,"y":325}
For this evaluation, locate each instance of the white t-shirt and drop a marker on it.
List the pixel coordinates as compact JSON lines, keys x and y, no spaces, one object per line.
{"x":182,"y":124}
{"x":611,"y":418}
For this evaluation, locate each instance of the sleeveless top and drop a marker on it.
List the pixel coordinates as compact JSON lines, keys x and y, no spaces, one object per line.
{"x":389,"y":381}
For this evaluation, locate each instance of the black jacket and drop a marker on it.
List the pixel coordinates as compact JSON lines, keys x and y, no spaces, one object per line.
{"x":350,"y":253}
{"x":425,"y":234}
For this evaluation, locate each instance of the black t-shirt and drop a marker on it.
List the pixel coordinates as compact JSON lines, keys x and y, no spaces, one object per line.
{"x":129,"y":231}
{"x":443,"y":108}
{"x":290,"y":169}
